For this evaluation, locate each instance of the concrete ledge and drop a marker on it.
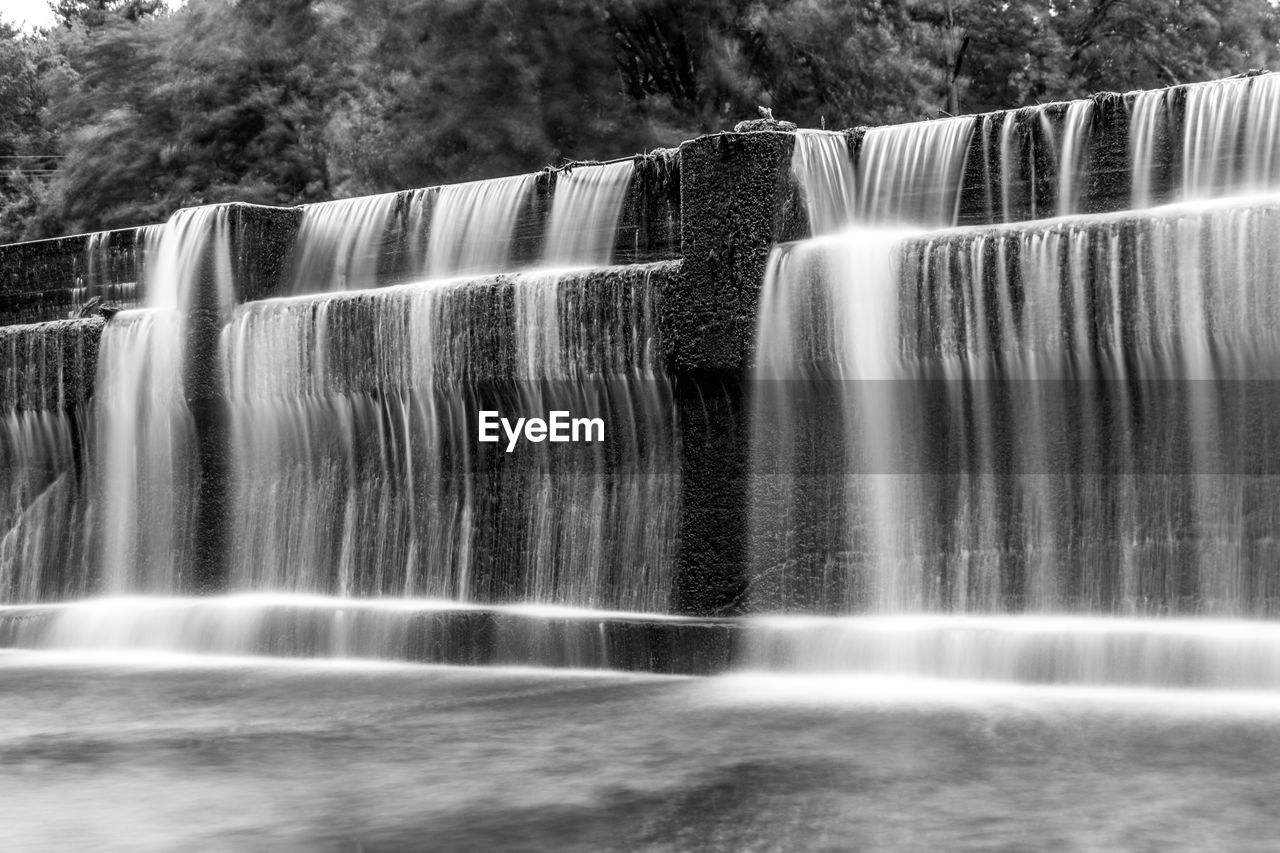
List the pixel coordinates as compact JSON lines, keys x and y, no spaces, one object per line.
{"x":367,"y":629}
{"x":49,"y":365}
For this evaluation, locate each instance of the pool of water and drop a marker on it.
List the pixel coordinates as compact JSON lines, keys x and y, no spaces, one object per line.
{"x":154,"y":752}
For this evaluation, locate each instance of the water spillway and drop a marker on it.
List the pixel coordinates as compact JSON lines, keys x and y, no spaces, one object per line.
{"x":357,"y":467}
{"x":1068,"y":415}
{"x":878,"y":374}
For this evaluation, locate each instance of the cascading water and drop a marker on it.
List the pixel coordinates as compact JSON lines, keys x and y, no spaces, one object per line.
{"x":908,"y":173}
{"x":1036,"y":160}
{"x":1069,"y":416}
{"x":1056,"y":379}
{"x":584,"y":214}
{"x":473,"y":227}
{"x":1228,"y":143}
{"x":467,"y":229}
{"x":339,"y":242}
{"x":41,"y":450}
{"x":1073,"y":156}
{"x":355,"y":423}
{"x":1016,"y":424}
{"x":912,"y":172}
{"x":147,"y":469}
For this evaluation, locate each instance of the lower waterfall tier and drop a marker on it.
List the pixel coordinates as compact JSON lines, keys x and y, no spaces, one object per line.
{"x":1026,"y":649}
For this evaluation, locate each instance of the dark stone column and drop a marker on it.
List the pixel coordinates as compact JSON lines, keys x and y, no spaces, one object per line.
{"x":260,"y":242}
{"x":737,"y":200}
{"x":203,"y":384}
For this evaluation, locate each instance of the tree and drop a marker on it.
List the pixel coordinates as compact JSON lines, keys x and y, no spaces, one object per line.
{"x":96,"y":13}
{"x":1139,"y":44}
{"x":28,"y":143}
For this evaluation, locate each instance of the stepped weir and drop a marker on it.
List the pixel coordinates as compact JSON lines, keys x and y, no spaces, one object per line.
{"x":989,"y":397}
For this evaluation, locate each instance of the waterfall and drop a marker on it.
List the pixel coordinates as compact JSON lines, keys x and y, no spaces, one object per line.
{"x":467,"y":229}
{"x":907,"y":173}
{"x":1036,"y":160}
{"x":147,"y":468}
{"x":357,"y":468}
{"x":912,"y":172}
{"x":473,"y":226}
{"x":43,"y":507}
{"x":1077,"y":417}
{"x":146,"y":442}
{"x":823,"y":168}
{"x":339,"y":243}
{"x":584,"y":214}
{"x":39,"y":505}
{"x":1073,"y":156}
{"x":1228,"y":144}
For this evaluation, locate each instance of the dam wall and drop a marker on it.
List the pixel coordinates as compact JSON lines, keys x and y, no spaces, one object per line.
{"x":323,"y":334}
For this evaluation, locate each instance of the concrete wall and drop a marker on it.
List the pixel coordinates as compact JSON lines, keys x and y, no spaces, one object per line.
{"x":720,"y":205}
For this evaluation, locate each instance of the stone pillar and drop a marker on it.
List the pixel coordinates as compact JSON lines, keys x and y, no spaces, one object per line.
{"x":737,"y":199}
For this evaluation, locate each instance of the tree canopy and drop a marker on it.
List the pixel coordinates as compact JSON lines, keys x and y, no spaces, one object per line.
{"x":128,"y":109}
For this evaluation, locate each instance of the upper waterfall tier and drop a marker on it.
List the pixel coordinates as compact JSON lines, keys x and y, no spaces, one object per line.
{"x":584,"y":215}
{"x":1106,"y":153}
{"x":579,"y":215}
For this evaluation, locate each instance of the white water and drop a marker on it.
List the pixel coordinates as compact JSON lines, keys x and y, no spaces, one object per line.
{"x":1228,"y":142}
{"x":1114,"y":464}
{"x":1092,"y":650}
{"x":358,"y":472}
{"x":40,"y":504}
{"x":146,"y":468}
{"x":906,"y":173}
{"x":584,"y":214}
{"x":1073,"y":154}
{"x":293,"y":625}
{"x":42,"y":496}
{"x":457,"y":230}
{"x":473,"y":227}
{"x":339,"y":243}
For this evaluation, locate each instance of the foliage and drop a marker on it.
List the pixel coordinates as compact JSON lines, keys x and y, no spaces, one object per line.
{"x":128,"y":109}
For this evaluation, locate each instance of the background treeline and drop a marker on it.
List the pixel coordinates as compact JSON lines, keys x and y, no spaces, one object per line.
{"x":126,"y":110}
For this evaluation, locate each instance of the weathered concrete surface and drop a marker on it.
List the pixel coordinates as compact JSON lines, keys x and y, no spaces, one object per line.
{"x":738,"y":199}
{"x":49,"y":365}
{"x":50,"y":279}
{"x":261,"y":238}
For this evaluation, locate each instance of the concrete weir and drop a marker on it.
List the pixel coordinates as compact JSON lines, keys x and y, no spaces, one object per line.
{"x":670,"y":320}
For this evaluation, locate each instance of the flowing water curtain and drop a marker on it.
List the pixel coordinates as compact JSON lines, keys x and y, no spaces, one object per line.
{"x":353,"y":422}
{"x":457,"y":230}
{"x":1073,"y":157}
{"x":145,"y":455}
{"x":39,"y":507}
{"x":1221,"y":135}
{"x":911,"y":173}
{"x":602,"y":517}
{"x":43,"y":503}
{"x":1092,"y":396}
{"x":583,"y":225}
{"x":339,"y":243}
{"x":829,"y":427}
{"x":823,"y":168}
{"x":146,"y":463}
{"x":1042,"y":157}
{"x":350,"y":462}
{"x":907,"y":173}
{"x":473,"y":226}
